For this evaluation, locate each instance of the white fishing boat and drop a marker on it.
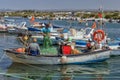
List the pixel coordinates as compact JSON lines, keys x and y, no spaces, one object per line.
{"x":22,"y":26}
{"x":18,"y":28}
{"x":81,"y":58}
{"x":83,"y":34}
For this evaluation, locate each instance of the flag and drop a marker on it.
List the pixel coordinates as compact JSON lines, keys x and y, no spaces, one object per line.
{"x":99,"y":15}
{"x":94,"y":25}
{"x":32,"y":19}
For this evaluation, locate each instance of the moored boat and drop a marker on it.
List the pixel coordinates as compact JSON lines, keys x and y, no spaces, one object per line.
{"x":115,"y":52}
{"x":81,"y":58}
{"x":115,"y":48}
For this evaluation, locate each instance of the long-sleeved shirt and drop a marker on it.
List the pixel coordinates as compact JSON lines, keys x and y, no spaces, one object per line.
{"x":46,"y":30}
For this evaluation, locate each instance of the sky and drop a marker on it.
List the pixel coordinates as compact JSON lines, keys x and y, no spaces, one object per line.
{"x":59,"y":4}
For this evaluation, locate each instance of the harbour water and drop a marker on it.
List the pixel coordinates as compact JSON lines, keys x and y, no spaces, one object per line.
{"x":107,"y":70}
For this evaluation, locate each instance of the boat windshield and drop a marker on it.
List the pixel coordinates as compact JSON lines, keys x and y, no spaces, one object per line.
{"x":87,"y":31}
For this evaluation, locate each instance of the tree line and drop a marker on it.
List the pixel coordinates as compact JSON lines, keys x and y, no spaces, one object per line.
{"x":26,"y":13}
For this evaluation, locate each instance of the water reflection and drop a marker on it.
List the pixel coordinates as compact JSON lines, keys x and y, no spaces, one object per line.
{"x":17,"y":71}
{"x":58,"y":72}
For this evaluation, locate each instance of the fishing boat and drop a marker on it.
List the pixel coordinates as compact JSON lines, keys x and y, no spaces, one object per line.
{"x":80,"y":37}
{"x":37,"y":26}
{"x":64,"y":34}
{"x":53,"y":28}
{"x":65,"y":58}
{"x":113,"y":45}
{"x":83,"y":34}
{"x":21,"y":27}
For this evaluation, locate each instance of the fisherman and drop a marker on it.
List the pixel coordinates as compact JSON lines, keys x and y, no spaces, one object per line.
{"x":93,"y":45}
{"x":88,"y":45}
{"x":34,"y":48}
{"x":51,"y":26}
{"x":46,"y":33}
{"x":23,"y":38}
{"x":73,"y":32}
{"x":26,"y":39}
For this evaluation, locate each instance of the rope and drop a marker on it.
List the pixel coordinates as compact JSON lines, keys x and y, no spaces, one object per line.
{"x":15,"y":76}
{"x":2,"y":57}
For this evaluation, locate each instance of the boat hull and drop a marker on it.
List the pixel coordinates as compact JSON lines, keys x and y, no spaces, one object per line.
{"x":115,"y":52}
{"x":90,"y":57}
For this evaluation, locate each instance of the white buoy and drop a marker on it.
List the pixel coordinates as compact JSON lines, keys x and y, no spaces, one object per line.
{"x":63,"y":59}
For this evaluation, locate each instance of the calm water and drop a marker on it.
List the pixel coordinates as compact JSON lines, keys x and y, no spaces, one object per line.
{"x":107,"y":70}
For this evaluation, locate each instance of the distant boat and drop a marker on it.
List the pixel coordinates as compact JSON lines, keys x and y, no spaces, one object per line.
{"x":3,"y":28}
{"x":18,"y":28}
{"x":115,"y":47}
{"x":6,"y":16}
{"x":10,"y":20}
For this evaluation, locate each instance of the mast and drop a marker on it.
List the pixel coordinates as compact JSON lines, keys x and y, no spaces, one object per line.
{"x":102,"y":21}
{"x":100,"y":15}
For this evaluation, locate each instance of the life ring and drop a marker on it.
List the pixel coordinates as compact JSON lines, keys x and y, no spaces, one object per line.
{"x":99,"y":35}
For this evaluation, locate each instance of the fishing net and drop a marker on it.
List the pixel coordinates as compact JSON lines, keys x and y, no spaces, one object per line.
{"x":50,"y":51}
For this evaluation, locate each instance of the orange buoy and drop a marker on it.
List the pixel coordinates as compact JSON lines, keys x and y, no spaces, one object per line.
{"x":20,"y":50}
{"x":99,"y":35}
